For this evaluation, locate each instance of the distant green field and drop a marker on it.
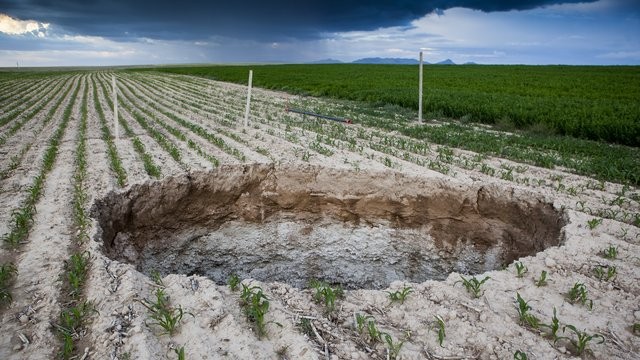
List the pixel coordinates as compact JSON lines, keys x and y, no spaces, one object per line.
{"x":590,"y":102}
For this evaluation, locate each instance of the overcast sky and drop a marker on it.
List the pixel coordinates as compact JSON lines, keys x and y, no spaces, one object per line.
{"x":127,"y":32}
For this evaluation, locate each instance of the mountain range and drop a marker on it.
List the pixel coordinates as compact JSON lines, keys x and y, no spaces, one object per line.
{"x":393,"y":61}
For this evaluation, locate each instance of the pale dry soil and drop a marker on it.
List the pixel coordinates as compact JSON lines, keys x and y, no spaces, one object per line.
{"x":281,"y":218}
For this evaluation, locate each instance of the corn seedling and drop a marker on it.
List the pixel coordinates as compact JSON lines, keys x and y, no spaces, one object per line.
{"x":583,"y":338}
{"x":441,"y":332}
{"x":180,"y":352}
{"x":610,"y":253}
{"x":542,"y":281}
{"x":519,"y":355}
{"x":162,"y":313}
{"x":400,"y":295}
{"x":372,"y":330}
{"x":233,"y":282}
{"x":593,"y":223}
{"x":578,"y":293}
{"x":361,"y":320}
{"x":73,"y":318}
{"x":521,"y":269}
{"x":326,"y":294}
{"x":76,"y":270}
{"x":7,"y":273}
{"x":393,"y":347}
{"x":553,"y":327}
{"x":256,"y":306}
{"x":607,"y":275}
{"x":526,"y":318}
{"x":473,"y":285}
{"x":21,"y":222}
{"x":305,"y":327}
{"x":71,"y":321}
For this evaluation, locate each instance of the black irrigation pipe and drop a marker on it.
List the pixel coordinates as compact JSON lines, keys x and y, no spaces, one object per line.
{"x":338,"y":119}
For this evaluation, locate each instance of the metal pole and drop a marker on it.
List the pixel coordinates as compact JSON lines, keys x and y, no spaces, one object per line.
{"x":420,"y":92}
{"x":246,"y":111}
{"x":115,"y":107}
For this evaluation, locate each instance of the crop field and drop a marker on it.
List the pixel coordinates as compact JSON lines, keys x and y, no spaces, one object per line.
{"x":587,"y":102}
{"x":190,"y":235}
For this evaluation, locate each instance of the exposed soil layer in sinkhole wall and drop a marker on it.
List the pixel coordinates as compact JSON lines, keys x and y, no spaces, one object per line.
{"x":296,"y":223}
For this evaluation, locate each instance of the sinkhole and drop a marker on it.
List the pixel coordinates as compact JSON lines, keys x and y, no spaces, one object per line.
{"x":292,"y":224}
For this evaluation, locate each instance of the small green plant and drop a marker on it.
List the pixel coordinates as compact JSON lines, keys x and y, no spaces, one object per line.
{"x":305,"y":326}
{"x":583,"y":339}
{"x":605,"y":272}
{"x":372,"y":330}
{"x":256,"y":305}
{"x":71,"y":321}
{"x":526,"y":318}
{"x":180,"y":352}
{"x":394,"y":347}
{"x":635,"y":328}
{"x":487,"y":170}
{"x":361,"y":320}
{"x":593,"y":223}
{"x":233,"y":282}
{"x":519,"y":355}
{"x":326,"y":294}
{"x":7,"y":273}
{"x":554,"y":326}
{"x":610,"y":253}
{"x":76,"y":270}
{"x":542,"y":281}
{"x":441,"y":332}
{"x":473,"y":285}
{"x":578,"y":293}
{"x":521,"y":269}
{"x":156,"y":277}
{"x":400,"y":295}
{"x":162,"y":313}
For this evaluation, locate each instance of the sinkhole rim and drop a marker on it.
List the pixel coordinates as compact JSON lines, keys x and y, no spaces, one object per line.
{"x":312,"y":222}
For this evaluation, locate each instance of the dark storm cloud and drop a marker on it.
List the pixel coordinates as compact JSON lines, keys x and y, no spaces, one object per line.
{"x":259,"y":20}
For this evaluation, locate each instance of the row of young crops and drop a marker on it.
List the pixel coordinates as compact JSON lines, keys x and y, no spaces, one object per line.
{"x":59,"y":152}
{"x":597,"y":103}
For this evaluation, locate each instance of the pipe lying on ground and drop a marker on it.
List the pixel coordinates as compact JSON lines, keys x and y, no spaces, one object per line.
{"x":338,"y":119}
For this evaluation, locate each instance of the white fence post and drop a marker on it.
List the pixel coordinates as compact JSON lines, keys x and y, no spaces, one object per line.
{"x":115,"y":107}
{"x":246,"y":111}
{"x":420,"y":92}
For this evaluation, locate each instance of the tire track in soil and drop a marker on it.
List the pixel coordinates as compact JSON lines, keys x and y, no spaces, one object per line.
{"x":40,"y":262}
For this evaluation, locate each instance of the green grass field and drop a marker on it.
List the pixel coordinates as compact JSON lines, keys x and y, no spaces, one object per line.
{"x":589,"y":102}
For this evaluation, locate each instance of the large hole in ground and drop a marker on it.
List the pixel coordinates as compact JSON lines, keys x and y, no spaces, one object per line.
{"x":293,"y":224}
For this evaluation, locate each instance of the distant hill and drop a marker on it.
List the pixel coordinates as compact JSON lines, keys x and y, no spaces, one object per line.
{"x":326,"y":61}
{"x":446,"y":62}
{"x":391,"y":61}
{"x":394,"y":61}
